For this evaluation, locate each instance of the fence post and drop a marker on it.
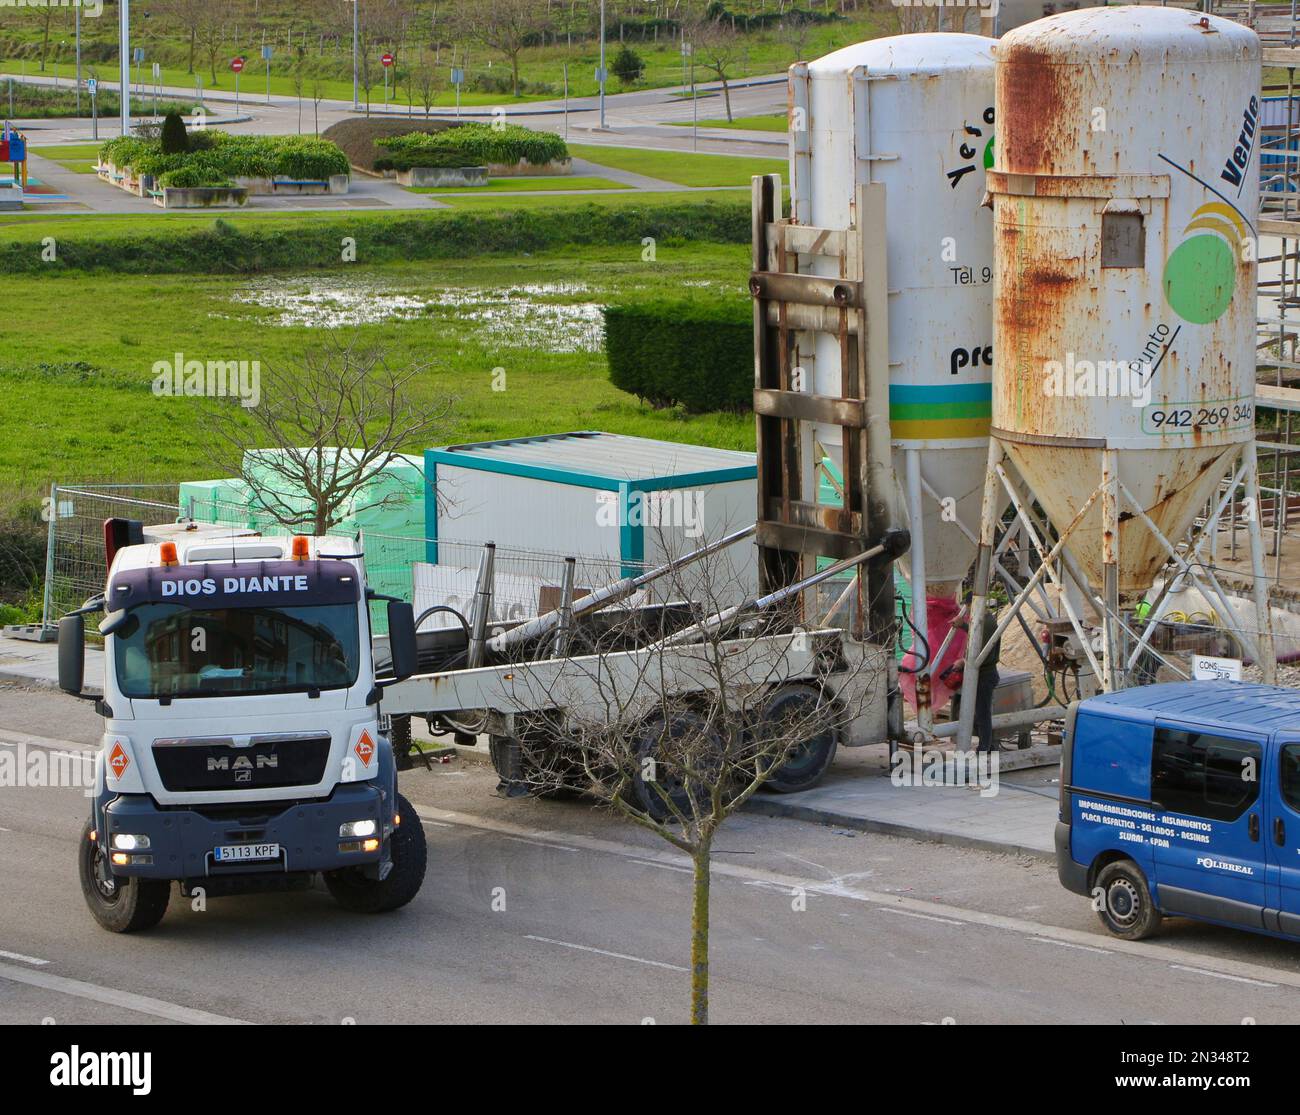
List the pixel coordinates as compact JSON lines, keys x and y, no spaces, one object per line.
{"x":47,"y":597}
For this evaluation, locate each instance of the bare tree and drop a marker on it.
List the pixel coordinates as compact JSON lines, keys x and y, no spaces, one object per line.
{"x":342,"y":396}
{"x":424,"y":80}
{"x":183,"y":18}
{"x":718,"y":48}
{"x":674,"y":716}
{"x":506,"y":26}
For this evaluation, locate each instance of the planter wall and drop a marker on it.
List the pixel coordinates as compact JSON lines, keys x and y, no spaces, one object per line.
{"x":444,"y":176}
{"x":202,"y":197}
{"x":267,"y":187}
{"x":524,"y":169}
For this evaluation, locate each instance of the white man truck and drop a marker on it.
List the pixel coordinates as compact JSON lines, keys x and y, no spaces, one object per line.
{"x":242,"y":748}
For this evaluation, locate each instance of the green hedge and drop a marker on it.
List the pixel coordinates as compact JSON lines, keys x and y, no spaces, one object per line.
{"x":697,"y":353}
{"x":423,"y":160}
{"x":479,"y":144}
{"x":255,"y":246}
{"x":215,"y":157}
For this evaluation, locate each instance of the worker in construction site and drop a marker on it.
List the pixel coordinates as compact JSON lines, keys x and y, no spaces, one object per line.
{"x":986,"y":681}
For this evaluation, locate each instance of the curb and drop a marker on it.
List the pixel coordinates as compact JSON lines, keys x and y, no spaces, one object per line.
{"x":770,"y":807}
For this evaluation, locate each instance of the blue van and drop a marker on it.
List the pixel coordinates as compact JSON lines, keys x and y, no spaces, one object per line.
{"x":1184,"y":799}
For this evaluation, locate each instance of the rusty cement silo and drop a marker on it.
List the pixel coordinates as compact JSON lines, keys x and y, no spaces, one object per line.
{"x":1125,"y":189}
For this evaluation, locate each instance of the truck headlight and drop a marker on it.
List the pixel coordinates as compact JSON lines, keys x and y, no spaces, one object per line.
{"x":356,"y":829}
{"x":129,"y":842}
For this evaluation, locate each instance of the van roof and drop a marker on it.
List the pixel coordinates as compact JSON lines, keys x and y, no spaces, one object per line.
{"x":1228,"y":704}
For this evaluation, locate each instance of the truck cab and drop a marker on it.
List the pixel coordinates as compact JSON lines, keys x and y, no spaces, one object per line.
{"x":242,"y":749}
{"x":1183,"y":799}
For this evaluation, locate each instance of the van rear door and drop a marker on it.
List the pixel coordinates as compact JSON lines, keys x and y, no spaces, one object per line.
{"x":1282,"y":789}
{"x":1209,"y":853}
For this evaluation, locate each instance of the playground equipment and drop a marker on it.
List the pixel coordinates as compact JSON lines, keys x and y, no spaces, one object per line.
{"x":13,"y":149}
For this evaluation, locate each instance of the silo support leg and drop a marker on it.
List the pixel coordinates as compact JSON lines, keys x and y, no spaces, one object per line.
{"x":1112,"y":672}
{"x":979,"y":595}
{"x":1263,"y":612}
{"x":920,"y":611}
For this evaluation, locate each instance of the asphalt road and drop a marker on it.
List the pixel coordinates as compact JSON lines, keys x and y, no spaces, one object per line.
{"x":595,"y":928}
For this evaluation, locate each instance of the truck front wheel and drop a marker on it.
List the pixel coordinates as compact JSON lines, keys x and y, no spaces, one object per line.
{"x":119,"y":904}
{"x":355,"y":892}
{"x":1126,"y":908}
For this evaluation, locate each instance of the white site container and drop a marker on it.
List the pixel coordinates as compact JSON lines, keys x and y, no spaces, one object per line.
{"x":617,"y":503}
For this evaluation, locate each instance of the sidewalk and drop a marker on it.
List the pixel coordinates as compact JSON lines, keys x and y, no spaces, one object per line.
{"x":1015,"y":815}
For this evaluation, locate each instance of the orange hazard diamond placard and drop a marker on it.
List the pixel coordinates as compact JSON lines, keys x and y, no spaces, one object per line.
{"x":365,"y":748}
{"x":118,"y":759}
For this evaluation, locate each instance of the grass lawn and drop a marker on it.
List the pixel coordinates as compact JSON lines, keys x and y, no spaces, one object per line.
{"x":683,"y":167}
{"x":78,"y":404}
{"x":77,"y":157}
{"x":777,"y":122}
{"x":524,"y":185}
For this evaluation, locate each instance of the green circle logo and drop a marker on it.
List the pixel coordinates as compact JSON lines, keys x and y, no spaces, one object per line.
{"x":1200,"y":277}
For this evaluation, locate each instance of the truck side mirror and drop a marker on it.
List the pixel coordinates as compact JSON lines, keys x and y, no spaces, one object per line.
{"x":401,"y":639}
{"x":72,"y":654}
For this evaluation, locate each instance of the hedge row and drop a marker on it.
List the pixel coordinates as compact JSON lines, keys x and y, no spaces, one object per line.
{"x":224,"y":248}
{"x":215,"y":157}
{"x":476,"y":144}
{"x":696,"y":354}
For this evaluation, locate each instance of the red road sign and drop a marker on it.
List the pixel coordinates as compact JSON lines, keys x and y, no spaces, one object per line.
{"x":236,"y":64}
{"x":387,"y":60}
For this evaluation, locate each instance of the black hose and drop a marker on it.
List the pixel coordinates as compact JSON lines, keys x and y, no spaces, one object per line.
{"x":902,"y":604}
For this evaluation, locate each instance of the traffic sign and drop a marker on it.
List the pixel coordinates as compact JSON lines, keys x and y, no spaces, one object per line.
{"x":92,"y":86}
{"x":266,"y":53}
{"x":138,"y":55}
{"x":387,"y":59}
{"x":457,"y":76}
{"x":157,"y":70}
{"x":601,"y":73}
{"x":236,"y":64}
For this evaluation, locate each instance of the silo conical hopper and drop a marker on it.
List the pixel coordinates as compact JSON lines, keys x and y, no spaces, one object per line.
{"x":926,"y":135}
{"x":1125,"y":188}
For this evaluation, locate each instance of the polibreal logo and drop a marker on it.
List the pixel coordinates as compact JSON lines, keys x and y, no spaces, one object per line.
{"x":1224,"y":865}
{"x":102,"y":1070}
{"x":210,"y":586}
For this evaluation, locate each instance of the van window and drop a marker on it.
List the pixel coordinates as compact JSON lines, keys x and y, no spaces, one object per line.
{"x":1204,"y":775}
{"x":1289,"y":779}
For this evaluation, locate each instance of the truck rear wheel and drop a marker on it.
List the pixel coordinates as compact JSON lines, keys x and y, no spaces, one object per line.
{"x":120,"y":905}
{"x":803,"y":714}
{"x":1128,"y":910}
{"x":355,"y":892}
{"x":399,"y":735}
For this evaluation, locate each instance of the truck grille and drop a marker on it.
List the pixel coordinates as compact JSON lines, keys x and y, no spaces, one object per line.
{"x":261,"y":763}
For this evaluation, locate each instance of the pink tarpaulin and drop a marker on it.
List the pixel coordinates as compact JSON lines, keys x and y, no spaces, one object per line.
{"x":941,"y":611}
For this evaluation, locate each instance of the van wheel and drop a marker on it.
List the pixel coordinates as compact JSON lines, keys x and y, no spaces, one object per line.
{"x":121,"y":904}
{"x":802,"y":715}
{"x":1128,"y":911}
{"x":355,"y":892}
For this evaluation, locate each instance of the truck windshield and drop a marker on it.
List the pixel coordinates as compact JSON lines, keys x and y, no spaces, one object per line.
{"x":169,"y":650}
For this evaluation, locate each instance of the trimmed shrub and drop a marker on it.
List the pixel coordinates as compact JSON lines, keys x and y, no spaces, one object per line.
{"x":357,"y":136}
{"x":697,"y":354}
{"x":409,"y":160}
{"x":477,"y":144}
{"x":220,"y":156}
{"x":174,"y":138}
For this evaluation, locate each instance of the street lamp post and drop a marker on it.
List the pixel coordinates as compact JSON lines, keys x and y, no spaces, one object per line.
{"x":77,"y":24}
{"x":356,"y":55}
{"x":602,"y":63}
{"x":124,"y":62}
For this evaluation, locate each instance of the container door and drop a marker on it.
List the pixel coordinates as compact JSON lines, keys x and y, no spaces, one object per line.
{"x":1282,"y":788}
{"x":1210,"y":853}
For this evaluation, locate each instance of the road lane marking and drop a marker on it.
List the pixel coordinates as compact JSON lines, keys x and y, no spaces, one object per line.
{"x":126,"y":1000}
{"x":665,"y":866}
{"x":1222,"y":975}
{"x":23,"y":959}
{"x":1023,"y":927}
{"x":1070,"y":945}
{"x":923,"y":917}
{"x":606,"y":952}
{"x":541,"y":843}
